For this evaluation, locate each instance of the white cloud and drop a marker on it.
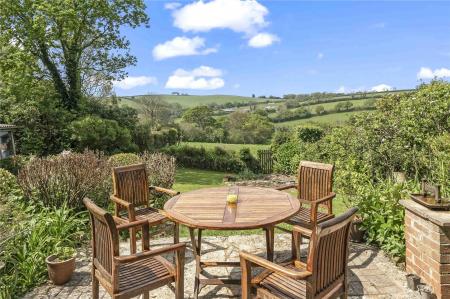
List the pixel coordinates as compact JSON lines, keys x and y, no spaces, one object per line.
{"x":263,"y":40}
{"x":203,"y":77}
{"x":132,"y":82}
{"x":381,"y":87}
{"x":181,"y":46}
{"x":172,"y":5}
{"x":239,"y":16}
{"x":320,"y":55}
{"x":428,"y":73}
{"x":236,"y":86}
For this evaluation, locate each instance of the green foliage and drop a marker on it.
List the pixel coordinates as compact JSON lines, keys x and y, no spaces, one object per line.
{"x":216,"y":159}
{"x":409,"y":132}
{"x":124,"y":159}
{"x":64,"y":253}
{"x":14,"y":164}
{"x":95,"y":133}
{"x":73,"y":40}
{"x":40,"y":235}
{"x":382,"y":215}
{"x":249,"y":160}
{"x":310,"y":133}
{"x":201,"y":116}
{"x":9,"y":186}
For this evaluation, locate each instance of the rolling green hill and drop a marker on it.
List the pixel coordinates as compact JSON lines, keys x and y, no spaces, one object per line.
{"x":194,"y":100}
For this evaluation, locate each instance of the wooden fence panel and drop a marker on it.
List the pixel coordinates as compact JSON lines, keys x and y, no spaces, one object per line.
{"x":265,"y":161}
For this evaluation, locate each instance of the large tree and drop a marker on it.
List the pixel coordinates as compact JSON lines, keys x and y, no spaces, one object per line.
{"x":77,"y":42}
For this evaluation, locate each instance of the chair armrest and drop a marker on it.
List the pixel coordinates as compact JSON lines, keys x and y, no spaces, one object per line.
{"x":128,"y":205}
{"x":326,"y":198}
{"x":290,"y":186}
{"x":274,"y":267}
{"x":149,"y":253}
{"x":132,"y":224}
{"x":164,"y":190}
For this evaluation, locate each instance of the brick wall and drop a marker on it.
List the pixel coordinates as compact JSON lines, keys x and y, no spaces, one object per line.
{"x":428,"y":253}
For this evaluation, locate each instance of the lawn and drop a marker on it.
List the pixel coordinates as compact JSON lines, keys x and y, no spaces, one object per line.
{"x":228,"y":146}
{"x":334,"y":118}
{"x":188,"y":179}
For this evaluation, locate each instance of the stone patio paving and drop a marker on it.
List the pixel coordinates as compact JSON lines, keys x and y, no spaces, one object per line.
{"x":372,"y":275}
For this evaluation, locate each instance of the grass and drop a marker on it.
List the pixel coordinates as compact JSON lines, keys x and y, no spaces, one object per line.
{"x":188,"y":179}
{"x":335,"y":118}
{"x":226,"y":146}
{"x":195,"y":100}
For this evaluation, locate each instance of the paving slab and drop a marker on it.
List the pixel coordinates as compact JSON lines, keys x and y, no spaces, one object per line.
{"x":372,"y":274}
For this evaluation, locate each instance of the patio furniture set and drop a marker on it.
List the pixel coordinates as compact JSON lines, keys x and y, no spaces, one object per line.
{"x":322,"y":275}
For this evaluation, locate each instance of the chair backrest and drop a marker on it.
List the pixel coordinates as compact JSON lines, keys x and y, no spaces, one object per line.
{"x":105,"y":239}
{"x":131,"y":184}
{"x":328,"y":252}
{"x":315,"y":180}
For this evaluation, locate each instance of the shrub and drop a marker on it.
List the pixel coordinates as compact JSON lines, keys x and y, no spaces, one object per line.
{"x":250,"y":162}
{"x":95,"y":133}
{"x":14,"y":164}
{"x":216,"y":159}
{"x":34,"y":239}
{"x":66,"y":179}
{"x":124,"y":159}
{"x":161,"y":169}
{"x":382,"y":215}
{"x":310,"y":133}
{"x":8,"y":186}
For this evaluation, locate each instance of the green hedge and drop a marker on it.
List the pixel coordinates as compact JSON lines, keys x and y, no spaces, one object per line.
{"x":216,"y":159}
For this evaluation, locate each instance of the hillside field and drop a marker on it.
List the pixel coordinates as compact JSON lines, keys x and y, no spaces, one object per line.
{"x":195,"y":100}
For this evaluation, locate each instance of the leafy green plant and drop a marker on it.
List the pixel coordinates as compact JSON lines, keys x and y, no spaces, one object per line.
{"x":124,"y":159}
{"x":64,"y":253}
{"x":40,"y":235}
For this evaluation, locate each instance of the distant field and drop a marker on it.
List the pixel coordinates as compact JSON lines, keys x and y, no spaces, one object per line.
{"x":236,"y":147}
{"x":335,"y":118}
{"x":193,"y":100}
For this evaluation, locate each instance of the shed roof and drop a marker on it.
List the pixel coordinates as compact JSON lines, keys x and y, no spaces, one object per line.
{"x":7,"y":127}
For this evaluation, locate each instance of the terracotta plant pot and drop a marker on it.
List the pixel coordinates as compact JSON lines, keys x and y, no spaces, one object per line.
{"x":413,"y":281}
{"x":60,"y":272}
{"x":356,"y":232}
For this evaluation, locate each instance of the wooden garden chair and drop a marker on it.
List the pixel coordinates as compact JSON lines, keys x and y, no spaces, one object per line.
{"x":324,"y":275}
{"x":314,"y":189}
{"x":135,"y":274}
{"x":131,"y":198}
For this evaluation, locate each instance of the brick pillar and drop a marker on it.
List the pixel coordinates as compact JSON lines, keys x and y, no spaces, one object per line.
{"x":427,"y":237}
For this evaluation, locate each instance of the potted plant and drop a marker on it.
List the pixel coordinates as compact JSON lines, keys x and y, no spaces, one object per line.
{"x":61,"y":265}
{"x":357,"y":232}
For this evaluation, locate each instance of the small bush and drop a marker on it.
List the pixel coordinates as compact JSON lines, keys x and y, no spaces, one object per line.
{"x":124,"y":159}
{"x":310,"y":133}
{"x":8,"y":186}
{"x":66,"y":179}
{"x":14,"y":164}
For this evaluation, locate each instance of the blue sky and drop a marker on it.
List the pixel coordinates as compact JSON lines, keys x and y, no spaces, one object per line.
{"x":279,"y":47}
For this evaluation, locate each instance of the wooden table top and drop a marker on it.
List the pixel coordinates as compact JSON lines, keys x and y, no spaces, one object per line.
{"x":208,"y":209}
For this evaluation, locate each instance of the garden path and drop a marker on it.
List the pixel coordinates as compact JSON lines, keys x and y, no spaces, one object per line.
{"x":372,"y":274}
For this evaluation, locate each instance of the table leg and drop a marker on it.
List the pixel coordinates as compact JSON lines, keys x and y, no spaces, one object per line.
{"x":196,"y":248}
{"x":270,"y":236}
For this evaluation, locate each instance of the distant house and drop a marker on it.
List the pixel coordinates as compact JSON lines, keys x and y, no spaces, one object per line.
{"x":7,"y":145}
{"x":229,"y":110}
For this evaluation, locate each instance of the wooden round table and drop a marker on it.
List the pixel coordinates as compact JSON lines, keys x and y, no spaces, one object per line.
{"x":208,"y":209}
